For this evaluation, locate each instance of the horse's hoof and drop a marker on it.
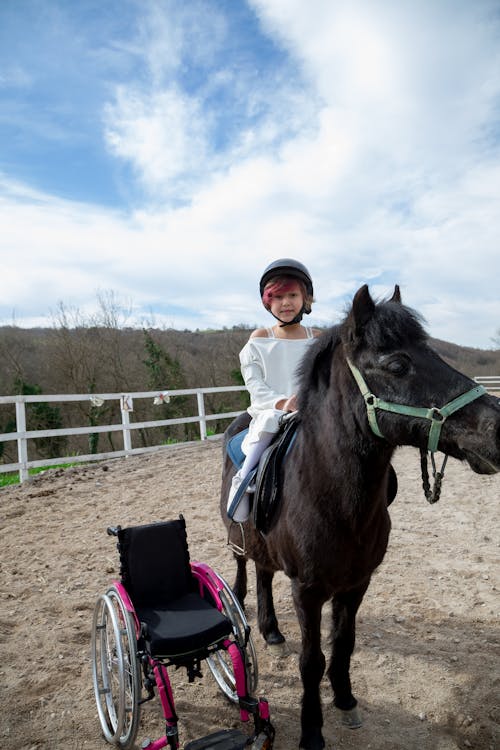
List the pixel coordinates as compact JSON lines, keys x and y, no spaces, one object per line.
{"x":351,"y":719}
{"x":279,"y":649}
{"x":274,"y":638}
{"x":312,"y":740}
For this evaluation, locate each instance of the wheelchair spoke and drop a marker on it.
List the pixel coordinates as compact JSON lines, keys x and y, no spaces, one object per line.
{"x":115,"y":670}
{"x":220,"y":663}
{"x":227,"y":667}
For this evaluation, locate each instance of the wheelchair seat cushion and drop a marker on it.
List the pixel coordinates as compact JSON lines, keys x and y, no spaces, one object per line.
{"x":183,"y":626}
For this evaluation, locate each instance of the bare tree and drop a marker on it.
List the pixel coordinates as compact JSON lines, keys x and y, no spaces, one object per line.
{"x":88,"y":353}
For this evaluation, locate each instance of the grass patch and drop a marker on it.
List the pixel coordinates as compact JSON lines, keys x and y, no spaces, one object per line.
{"x":13,"y":477}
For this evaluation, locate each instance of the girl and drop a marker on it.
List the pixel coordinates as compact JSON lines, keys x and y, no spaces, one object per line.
{"x":269,"y":363}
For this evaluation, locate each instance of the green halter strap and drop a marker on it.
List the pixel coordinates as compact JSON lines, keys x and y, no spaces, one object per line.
{"x":436,"y":416}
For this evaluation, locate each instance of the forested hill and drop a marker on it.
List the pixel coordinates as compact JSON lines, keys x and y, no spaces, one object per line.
{"x":110,"y":359}
{"x":113,"y":359}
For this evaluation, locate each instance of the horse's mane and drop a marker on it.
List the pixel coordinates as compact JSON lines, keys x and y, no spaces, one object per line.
{"x":314,"y":370}
{"x":391,"y":326}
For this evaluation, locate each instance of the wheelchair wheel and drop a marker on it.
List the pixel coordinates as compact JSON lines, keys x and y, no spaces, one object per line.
{"x":220,"y":662}
{"x":115,"y":670}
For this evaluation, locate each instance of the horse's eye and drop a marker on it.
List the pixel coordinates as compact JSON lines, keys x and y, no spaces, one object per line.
{"x":397,"y":366}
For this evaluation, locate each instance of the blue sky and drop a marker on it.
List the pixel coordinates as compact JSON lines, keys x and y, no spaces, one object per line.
{"x":163,"y":152}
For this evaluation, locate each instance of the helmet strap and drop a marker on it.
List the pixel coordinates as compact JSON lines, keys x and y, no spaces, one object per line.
{"x":297,"y":319}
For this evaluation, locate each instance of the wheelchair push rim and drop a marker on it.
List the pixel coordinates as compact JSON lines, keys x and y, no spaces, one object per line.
{"x":115,"y":670}
{"x":220,"y":662}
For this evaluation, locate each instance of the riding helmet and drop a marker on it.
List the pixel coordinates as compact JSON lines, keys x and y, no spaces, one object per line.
{"x":287,"y":267}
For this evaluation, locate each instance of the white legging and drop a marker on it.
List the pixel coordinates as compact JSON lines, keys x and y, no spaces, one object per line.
{"x":255,"y":451}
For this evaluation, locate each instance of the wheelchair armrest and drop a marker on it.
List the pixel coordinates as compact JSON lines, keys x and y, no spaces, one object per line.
{"x":207,"y":579}
{"x":127,"y":603}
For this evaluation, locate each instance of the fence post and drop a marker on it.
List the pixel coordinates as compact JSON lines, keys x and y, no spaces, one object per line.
{"x":125,"y":426}
{"x":201,"y":414}
{"x":126,"y":407}
{"x":22,"y":443}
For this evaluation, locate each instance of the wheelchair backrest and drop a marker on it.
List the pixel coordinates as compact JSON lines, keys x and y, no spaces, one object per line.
{"x":154,"y":562}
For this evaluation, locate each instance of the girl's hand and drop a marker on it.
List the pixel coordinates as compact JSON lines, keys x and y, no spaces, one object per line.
{"x":290,"y":404}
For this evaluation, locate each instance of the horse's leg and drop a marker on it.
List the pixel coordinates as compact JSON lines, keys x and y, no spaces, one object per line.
{"x":266,"y":615}
{"x":240,"y":582}
{"x":308,"y":605}
{"x":344,"y":608}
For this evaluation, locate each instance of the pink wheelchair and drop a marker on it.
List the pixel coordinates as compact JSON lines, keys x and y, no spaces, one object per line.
{"x":169,"y":612}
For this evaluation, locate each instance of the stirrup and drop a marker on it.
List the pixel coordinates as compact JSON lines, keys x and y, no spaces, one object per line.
{"x":233,"y":546}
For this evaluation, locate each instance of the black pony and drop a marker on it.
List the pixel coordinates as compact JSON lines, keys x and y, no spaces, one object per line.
{"x":333,"y":528}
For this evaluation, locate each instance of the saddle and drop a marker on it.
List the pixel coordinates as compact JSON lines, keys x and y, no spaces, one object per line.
{"x":268,"y":475}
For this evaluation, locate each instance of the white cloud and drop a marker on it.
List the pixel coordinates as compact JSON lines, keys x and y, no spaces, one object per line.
{"x":163,"y":135}
{"x":178,"y":128}
{"x":376,"y":162}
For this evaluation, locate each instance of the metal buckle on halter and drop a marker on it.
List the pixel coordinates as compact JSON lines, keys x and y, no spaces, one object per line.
{"x":436,"y":414}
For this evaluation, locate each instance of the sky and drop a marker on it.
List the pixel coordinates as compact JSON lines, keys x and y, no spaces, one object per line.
{"x":160,"y":153}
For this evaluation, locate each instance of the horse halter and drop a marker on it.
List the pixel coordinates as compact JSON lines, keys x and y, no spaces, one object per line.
{"x":437,"y":417}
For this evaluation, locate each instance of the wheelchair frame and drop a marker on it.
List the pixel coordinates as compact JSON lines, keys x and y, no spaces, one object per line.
{"x":122,"y":668}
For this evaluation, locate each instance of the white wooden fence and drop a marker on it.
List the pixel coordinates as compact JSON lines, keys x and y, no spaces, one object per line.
{"x":490,"y":382}
{"x":22,"y":435}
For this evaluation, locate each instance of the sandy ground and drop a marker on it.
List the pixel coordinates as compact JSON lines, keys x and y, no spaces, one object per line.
{"x":426,"y":668}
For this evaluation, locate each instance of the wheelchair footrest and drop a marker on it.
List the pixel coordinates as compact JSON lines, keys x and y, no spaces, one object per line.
{"x":224,"y":739}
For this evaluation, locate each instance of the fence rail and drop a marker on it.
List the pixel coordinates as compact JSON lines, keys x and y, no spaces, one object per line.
{"x":125,"y":427}
{"x":490,"y":382}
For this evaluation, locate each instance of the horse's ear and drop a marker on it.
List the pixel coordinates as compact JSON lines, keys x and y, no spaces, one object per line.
{"x":362,"y":310}
{"x":396,"y":297}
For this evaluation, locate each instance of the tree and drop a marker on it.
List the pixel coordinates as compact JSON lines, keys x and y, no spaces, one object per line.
{"x":5,"y":450}
{"x":89,"y":353}
{"x":13,"y":353}
{"x":43,"y":416}
{"x":165,"y":373}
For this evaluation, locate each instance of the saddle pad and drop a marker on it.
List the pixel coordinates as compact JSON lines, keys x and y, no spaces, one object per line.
{"x":234,"y":448}
{"x":269,"y":481}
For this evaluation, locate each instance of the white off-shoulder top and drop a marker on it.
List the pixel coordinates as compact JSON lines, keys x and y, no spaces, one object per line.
{"x":269,"y":368}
